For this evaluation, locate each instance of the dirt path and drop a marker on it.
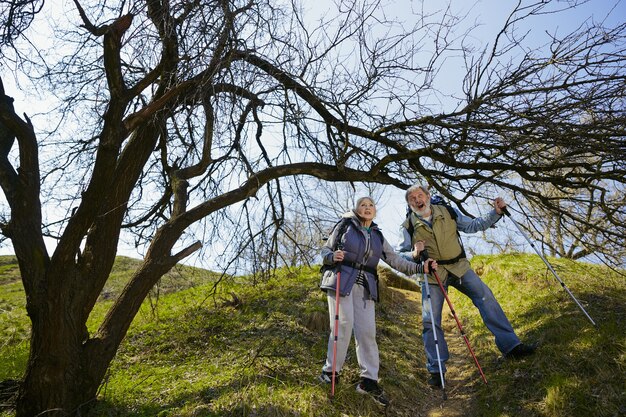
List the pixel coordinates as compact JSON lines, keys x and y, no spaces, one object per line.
{"x":461,"y":377}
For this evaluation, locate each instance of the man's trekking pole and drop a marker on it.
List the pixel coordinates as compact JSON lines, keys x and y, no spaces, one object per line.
{"x":505,"y":211}
{"x":458,"y":323}
{"x":430,"y":305}
{"x":336,"y":329}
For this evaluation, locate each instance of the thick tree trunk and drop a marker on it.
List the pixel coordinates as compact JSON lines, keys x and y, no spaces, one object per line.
{"x":56,"y":382}
{"x":66,"y":366}
{"x":61,"y":380}
{"x":57,"y":379}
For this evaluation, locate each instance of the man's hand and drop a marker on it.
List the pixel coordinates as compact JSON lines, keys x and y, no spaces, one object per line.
{"x":499,"y":204}
{"x":418,"y":247}
{"x":338,"y":255}
{"x":430,"y":265}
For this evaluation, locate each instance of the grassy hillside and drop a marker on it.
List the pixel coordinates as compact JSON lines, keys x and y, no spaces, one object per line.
{"x":235,"y":349}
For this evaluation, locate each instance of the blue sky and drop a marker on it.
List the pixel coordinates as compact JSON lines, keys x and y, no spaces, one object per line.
{"x":490,"y":15}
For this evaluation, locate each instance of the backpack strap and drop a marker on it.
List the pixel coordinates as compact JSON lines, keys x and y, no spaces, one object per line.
{"x":361,"y":267}
{"x":411,"y":227}
{"x":341,"y":226}
{"x":438,"y":200}
{"x":455,"y":259}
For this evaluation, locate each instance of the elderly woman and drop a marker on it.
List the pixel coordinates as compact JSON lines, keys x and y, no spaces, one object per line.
{"x":352,"y":251}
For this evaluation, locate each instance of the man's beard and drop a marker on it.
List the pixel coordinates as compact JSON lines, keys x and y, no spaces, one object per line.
{"x":424,"y":212}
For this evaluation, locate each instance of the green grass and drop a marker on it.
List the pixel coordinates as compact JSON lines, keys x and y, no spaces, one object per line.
{"x":244,"y":350}
{"x":9,"y":269}
{"x":14,"y":323}
{"x":579,"y":369}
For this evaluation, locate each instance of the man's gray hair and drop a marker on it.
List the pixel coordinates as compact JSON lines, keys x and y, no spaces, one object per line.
{"x":414,"y":188}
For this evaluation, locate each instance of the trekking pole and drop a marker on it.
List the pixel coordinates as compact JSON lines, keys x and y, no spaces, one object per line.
{"x":505,"y":211}
{"x":430,"y":305}
{"x":458,"y":323}
{"x":336,"y":329}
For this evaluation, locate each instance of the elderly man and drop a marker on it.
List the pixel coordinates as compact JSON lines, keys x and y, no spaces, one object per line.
{"x":435,"y":227}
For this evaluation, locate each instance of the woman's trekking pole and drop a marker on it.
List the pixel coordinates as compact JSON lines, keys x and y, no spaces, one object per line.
{"x":430,"y":305}
{"x":505,"y":211}
{"x":458,"y":323}
{"x":336,"y":330}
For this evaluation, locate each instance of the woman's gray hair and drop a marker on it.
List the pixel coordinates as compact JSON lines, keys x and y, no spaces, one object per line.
{"x":414,"y":188}
{"x":360,"y":200}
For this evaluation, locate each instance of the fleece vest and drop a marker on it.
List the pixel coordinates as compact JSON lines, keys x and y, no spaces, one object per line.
{"x":441,"y":241}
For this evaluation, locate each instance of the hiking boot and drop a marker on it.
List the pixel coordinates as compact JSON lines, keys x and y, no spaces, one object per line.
{"x":327,"y":377}
{"x":435,"y":380}
{"x":371,"y":388}
{"x":521,"y":350}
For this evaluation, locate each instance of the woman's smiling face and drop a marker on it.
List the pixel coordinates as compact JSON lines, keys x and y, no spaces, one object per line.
{"x":366,"y":210}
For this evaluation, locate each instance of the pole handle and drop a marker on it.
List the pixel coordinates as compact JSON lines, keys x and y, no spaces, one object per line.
{"x":424,"y":257}
{"x":339,"y":247}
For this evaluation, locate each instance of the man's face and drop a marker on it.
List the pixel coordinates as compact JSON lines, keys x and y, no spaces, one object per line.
{"x":419,"y":201}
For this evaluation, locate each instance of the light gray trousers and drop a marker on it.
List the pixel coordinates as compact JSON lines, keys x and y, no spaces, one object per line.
{"x":355,"y":313}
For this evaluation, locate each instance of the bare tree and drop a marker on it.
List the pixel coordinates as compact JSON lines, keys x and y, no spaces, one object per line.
{"x":294,"y":237}
{"x":16,"y":17}
{"x":180,"y":119}
{"x":575,"y":240}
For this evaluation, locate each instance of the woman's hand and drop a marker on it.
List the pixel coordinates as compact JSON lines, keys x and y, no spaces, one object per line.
{"x":430,"y":265}
{"x":338,"y":255}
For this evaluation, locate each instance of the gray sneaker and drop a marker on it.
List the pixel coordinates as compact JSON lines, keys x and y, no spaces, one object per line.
{"x":371,"y":388}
